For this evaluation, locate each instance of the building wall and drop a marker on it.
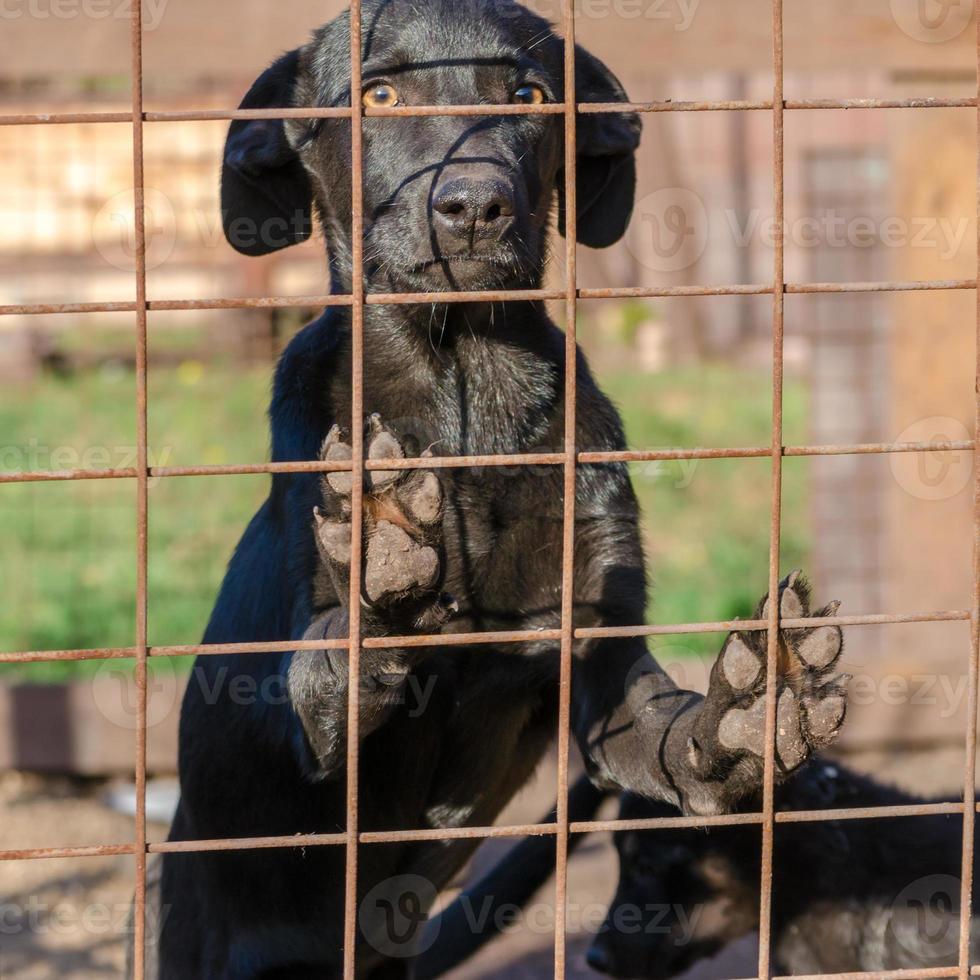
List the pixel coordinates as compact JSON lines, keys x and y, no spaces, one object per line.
{"x":930,"y":537}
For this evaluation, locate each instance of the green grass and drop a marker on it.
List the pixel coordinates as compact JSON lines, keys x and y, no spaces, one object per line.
{"x":706,"y":522}
{"x":69,"y":548}
{"x":69,"y":570}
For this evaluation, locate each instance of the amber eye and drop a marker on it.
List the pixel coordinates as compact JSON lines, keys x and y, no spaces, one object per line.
{"x":380,"y":96}
{"x":528,"y":95}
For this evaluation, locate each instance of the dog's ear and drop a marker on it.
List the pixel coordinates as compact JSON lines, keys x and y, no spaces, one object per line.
{"x":605,"y":165}
{"x":266,"y":196}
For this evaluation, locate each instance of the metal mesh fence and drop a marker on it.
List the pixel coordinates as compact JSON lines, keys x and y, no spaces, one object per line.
{"x":569,"y":460}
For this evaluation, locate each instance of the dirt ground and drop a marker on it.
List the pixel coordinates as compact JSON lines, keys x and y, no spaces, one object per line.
{"x":61,"y":918}
{"x":67,"y":919}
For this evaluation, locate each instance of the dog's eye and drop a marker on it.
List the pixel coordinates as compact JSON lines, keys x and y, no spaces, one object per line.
{"x":380,"y":96}
{"x":529,"y":95}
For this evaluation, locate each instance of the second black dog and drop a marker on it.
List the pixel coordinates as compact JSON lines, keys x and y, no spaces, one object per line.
{"x":848,"y":896}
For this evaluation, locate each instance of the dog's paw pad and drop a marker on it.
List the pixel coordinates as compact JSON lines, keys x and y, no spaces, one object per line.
{"x":334,"y":536}
{"x":794,"y":598}
{"x":382,"y":444}
{"x":810,"y":706}
{"x":336,"y":450}
{"x":743,"y":729}
{"x":740,"y":664}
{"x":402,"y":531}
{"x":825,"y":712}
{"x":790,"y":743}
{"x":820,"y":647}
{"x":423,"y":499}
{"x":397,"y":564}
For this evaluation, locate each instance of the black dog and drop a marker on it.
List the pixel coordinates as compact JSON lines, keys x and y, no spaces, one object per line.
{"x":849,"y":896}
{"x":450,"y":203}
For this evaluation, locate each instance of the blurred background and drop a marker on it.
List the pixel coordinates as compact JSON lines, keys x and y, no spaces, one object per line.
{"x":871,"y":195}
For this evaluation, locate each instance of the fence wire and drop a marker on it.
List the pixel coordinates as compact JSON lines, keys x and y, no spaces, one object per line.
{"x":569,"y":459}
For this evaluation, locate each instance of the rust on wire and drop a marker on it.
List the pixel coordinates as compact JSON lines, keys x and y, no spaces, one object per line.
{"x":970,"y":761}
{"x":59,"y":853}
{"x":569,"y":458}
{"x":357,"y":494}
{"x":142,"y":493}
{"x":924,"y":973}
{"x":484,"y":296}
{"x":552,"y":108}
{"x":491,"y":638}
{"x":570,"y":462}
{"x":465,"y":462}
{"x":772,"y":648}
{"x":487,"y":833}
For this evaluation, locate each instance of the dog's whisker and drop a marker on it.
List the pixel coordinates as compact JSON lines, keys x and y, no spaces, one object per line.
{"x":445,"y":320}
{"x":538,"y":39}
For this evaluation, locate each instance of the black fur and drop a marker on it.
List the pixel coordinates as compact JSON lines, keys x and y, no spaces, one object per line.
{"x":462,"y":379}
{"x":473,"y":918}
{"x":848,"y":896}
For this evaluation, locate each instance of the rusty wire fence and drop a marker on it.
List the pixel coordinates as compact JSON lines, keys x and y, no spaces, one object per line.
{"x":570,"y":459}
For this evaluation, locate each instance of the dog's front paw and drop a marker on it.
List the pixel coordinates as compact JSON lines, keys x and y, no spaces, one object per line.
{"x":402,"y":554}
{"x":728,"y":743}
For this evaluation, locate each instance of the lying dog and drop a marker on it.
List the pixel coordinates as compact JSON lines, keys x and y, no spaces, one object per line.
{"x":849,"y":896}
{"x":449,"y":203}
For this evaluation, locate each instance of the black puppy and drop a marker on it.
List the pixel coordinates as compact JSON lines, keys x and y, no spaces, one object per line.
{"x":849,"y":896}
{"x":450,"y":203}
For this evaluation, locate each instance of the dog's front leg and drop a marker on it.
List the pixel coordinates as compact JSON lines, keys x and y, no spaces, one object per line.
{"x":319,"y":684}
{"x":705,"y":753}
{"x":401,"y":573}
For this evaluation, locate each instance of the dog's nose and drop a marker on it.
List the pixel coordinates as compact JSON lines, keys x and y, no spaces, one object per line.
{"x":477,"y":209}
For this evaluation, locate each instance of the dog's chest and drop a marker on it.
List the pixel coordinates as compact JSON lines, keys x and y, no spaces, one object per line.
{"x":502,"y":533}
{"x":501,"y":523}
{"x":474,"y":398}
{"x":500,"y":719}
